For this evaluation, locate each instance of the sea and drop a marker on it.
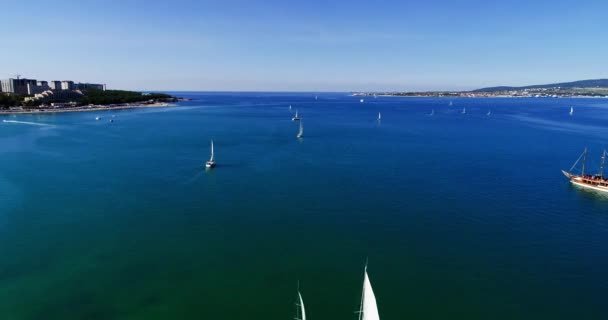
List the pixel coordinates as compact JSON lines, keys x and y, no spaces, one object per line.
{"x":457,"y":215}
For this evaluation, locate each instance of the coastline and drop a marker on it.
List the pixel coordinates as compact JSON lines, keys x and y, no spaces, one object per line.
{"x":88,"y":108}
{"x":476,"y":96}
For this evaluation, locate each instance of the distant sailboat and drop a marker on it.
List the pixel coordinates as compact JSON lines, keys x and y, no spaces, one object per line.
{"x":379,"y":116}
{"x":98,"y":118}
{"x":489,"y":113}
{"x":432,"y":112}
{"x":300,"y":312}
{"x":464,"y":110}
{"x":361,"y":100}
{"x":289,"y":107}
{"x":451,"y":103}
{"x":368,"y":309}
{"x":211,"y":162}
{"x":571,"y":111}
{"x":301,"y":132}
{"x":296,"y":117}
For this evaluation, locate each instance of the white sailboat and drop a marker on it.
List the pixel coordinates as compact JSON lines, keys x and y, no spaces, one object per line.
{"x":289,"y":107}
{"x":295,"y":117}
{"x":464,"y":110}
{"x":211,"y":162}
{"x":432,"y":112}
{"x":98,"y":118}
{"x":379,"y":116}
{"x":368,"y":309}
{"x":361,"y":100}
{"x":300,"y":312}
{"x":489,"y":113}
{"x":571,"y":111}
{"x":451,"y":103}
{"x":301,"y":132}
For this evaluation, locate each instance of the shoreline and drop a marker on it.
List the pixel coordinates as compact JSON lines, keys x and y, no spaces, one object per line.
{"x":88,"y":108}
{"x":474,"y":97}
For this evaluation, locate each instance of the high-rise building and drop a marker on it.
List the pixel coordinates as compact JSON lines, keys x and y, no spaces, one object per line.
{"x":18,"y":86}
{"x":82,"y":86}
{"x":55,"y":85}
{"x":67,"y":85}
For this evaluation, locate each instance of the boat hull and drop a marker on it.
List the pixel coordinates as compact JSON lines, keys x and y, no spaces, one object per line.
{"x":586,"y":183}
{"x":589,"y":186}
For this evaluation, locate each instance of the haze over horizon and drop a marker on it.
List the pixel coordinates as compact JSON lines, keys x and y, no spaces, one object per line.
{"x":305,"y":46}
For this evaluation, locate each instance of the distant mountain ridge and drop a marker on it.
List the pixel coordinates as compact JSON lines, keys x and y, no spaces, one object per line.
{"x":574,"y":84}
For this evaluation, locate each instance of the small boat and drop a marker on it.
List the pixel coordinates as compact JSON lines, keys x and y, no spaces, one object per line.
{"x":571,"y":111}
{"x":295,"y":117}
{"x":301,"y":132}
{"x":111,"y":120}
{"x":300,"y":312}
{"x":432,"y":112}
{"x":489,"y":113}
{"x":589,"y":181}
{"x":450,"y":103}
{"x":369,"y":308}
{"x":211,"y":162}
{"x":464,"y":111}
{"x":361,"y":100}
{"x":98,"y":118}
{"x":379,"y":116}
{"x":289,"y":107}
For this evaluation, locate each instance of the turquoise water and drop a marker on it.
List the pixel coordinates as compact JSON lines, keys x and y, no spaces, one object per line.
{"x":461,"y":216}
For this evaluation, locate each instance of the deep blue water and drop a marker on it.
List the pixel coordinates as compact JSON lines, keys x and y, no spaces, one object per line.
{"x":460,"y":216}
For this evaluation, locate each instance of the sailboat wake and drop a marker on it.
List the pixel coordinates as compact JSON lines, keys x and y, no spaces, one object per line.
{"x":27,"y":122}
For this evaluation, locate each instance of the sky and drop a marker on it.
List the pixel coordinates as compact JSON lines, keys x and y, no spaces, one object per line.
{"x":314,"y":45}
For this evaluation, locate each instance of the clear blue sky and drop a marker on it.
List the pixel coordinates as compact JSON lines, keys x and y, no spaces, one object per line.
{"x":305,"y":45}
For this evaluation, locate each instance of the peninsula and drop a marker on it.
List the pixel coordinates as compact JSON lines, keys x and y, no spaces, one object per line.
{"x":20,"y":95}
{"x":583,"y":88}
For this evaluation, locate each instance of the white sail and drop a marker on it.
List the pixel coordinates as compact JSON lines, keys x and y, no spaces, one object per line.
{"x":369,"y":309}
{"x":211,"y":159}
{"x":379,"y":116}
{"x":302,"y":311}
{"x":301,"y":132}
{"x":464,"y":110}
{"x":571,"y":110}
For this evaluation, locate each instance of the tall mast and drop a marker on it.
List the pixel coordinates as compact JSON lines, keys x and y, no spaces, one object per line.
{"x":603,"y":161}
{"x":584,"y":162}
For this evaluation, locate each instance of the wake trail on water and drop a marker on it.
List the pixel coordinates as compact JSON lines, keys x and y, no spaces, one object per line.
{"x":27,"y":122}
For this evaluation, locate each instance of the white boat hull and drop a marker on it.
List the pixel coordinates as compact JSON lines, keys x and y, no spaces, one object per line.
{"x":579,"y":182}
{"x":587,"y":186}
